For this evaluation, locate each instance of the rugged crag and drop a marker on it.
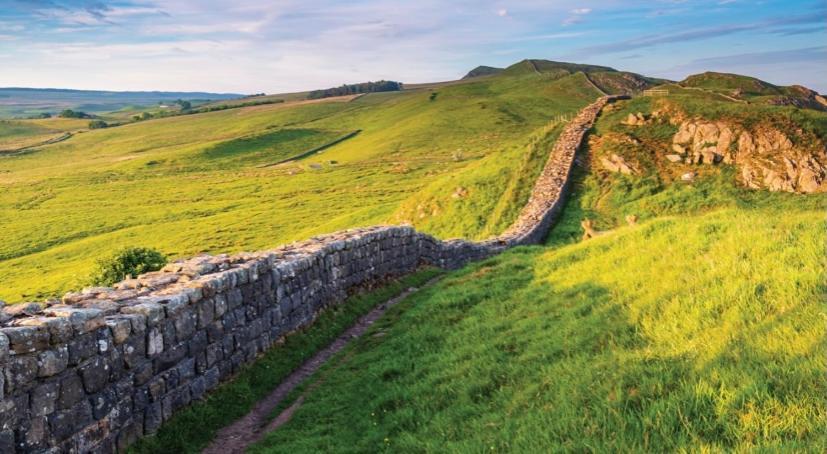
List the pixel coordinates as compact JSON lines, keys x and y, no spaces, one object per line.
{"x":103,"y":367}
{"x":765,"y":157}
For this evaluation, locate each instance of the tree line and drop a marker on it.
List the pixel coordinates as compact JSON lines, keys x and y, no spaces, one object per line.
{"x":353,"y":89}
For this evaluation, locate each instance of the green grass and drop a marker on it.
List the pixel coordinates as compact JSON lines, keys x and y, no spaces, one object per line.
{"x":190,"y":430}
{"x":691,"y":332}
{"x":701,"y":329}
{"x":16,"y":134}
{"x":190,"y":184}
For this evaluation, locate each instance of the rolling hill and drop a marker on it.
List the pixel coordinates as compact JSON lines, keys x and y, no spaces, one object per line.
{"x":756,"y":90}
{"x":24,"y":102}
{"x":692,"y":319}
{"x":191,"y":184}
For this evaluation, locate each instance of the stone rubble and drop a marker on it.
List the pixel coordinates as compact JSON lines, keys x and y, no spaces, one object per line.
{"x":105,"y":366}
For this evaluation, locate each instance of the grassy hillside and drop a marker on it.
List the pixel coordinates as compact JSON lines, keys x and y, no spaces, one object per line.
{"x":17,"y":134}
{"x":684,"y":333}
{"x":608,"y":80}
{"x":699,"y":329}
{"x":756,"y":90}
{"x":193,"y":184}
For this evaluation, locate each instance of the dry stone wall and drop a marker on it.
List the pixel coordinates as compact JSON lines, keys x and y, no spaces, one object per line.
{"x":105,"y":366}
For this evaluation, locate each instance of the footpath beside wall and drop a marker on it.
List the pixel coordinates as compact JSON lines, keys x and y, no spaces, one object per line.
{"x":108,"y":365}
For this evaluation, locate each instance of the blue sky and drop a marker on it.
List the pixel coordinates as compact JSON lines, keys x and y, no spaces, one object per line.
{"x":275,"y":46}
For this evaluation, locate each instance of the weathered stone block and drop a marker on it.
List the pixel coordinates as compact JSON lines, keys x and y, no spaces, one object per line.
{"x":26,"y":339}
{"x":53,"y":362}
{"x":20,"y":373}
{"x":154,"y":342}
{"x":153,"y":416}
{"x":44,"y":398}
{"x":102,"y":403}
{"x":82,"y":347}
{"x":170,"y":357}
{"x":175,"y":399}
{"x":153,"y":312}
{"x":134,"y":351}
{"x":82,"y":320}
{"x":185,"y":323}
{"x":71,"y":391}
{"x":67,"y":422}
{"x":121,"y":328}
{"x":95,"y":374}
{"x":4,"y":348}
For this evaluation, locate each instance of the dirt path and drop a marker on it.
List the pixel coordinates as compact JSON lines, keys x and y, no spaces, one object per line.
{"x":235,"y":438}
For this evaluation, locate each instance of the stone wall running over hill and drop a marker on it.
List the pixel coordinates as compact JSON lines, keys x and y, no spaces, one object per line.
{"x":105,"y":366}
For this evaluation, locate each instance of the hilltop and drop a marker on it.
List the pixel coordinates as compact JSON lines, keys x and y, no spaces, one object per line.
{"x":607,"y":80}
{"x":480,"y":71}
{"x":756,"y":90}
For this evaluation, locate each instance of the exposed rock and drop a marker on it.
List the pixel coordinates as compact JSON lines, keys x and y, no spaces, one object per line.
{"x":615,"y":163}
{"x":636,"y":119}
{"x":688,"y":177}
{"x":460,"y":193}
{"x":588,"y":229}
{"x":23,"y":309}
{"x":766,"y":158}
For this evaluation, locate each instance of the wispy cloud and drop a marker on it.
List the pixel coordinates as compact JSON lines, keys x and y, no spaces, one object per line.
{"x":576,"y":16}
{"x":696,"y":34}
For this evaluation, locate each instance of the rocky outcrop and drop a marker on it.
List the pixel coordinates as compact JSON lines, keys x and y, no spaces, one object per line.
{"x":765,"y":157}
{"x":102,"y":367}
{"x":617,"y":164}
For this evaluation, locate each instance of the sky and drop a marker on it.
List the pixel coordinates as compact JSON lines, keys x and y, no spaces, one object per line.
{"x":276,"y":46}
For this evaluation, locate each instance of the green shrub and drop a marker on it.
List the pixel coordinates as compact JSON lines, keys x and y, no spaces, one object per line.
{"x":128,"y":262}
{"x":97,"y":124}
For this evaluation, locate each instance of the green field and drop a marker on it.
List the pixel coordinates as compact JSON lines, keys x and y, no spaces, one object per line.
{"x":701,"y":329}
{"x":19,"y":134}
{"x":192,"y":184}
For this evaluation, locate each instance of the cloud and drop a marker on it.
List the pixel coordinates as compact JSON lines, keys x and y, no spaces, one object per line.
{"x":502,"y":12}
{"x":696,"y":34}
{"x":576,"y":16}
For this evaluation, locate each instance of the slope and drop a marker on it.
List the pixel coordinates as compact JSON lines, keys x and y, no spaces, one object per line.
{"x":700,"y":328}
{"x":756,"y":90}
{"x":191,"y":184}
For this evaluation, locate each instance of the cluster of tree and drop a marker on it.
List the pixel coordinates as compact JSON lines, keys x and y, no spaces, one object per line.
{"x":69,"y":113}
{"x":98,"y":124}
{"x":185,"y":105}
{"x":254,"y":95}
{"x":352,"y":89}
{"x":186,"y":109}
{"x":37,"y":116}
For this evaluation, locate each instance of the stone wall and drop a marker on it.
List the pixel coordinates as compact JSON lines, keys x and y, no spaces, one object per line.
{"x":105,"y":366}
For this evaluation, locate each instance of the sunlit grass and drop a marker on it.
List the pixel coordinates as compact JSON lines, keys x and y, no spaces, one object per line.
{"x":695,"y":332}
{"x":191,"y":184}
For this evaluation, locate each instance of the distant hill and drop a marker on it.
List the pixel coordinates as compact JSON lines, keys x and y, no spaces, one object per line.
{"x":482,"y":71}
{"x":18,"y":102}
{"x":755,"y":90}
{"x":606,"y":79}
